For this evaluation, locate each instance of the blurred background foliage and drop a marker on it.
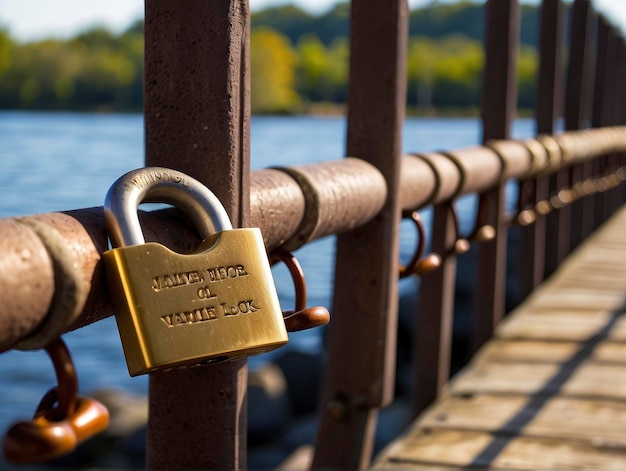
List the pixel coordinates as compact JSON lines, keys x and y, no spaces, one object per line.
{"x":299,"y":63}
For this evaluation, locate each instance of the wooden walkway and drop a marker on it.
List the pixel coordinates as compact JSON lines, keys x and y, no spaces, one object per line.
{"x":549,"y":390}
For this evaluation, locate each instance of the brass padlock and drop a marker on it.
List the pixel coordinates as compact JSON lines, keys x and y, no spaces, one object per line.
{"x":176,"y":310}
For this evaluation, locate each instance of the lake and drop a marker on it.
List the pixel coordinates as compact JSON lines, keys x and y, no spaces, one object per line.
{"x":61,"y":161}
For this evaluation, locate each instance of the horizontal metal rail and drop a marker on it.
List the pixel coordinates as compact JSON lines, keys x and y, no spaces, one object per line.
{"x":292,"y":206}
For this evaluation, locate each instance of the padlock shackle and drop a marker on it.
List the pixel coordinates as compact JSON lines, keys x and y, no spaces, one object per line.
{"x":160,"y":185}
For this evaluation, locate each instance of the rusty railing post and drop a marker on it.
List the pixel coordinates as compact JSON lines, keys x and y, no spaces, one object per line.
{"x":197,"y":120}
{"x":578,"y":107}
{"x":433,"y":325}
{"x":360,"y":372}
{"x":601,"y":104}
{"x":531,"y":259}
{"x":558,"y":226}
{"x":498,"y":108}
{"x":618,"y":193}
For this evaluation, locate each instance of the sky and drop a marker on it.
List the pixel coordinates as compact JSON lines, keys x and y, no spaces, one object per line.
{"x":29,"y":20}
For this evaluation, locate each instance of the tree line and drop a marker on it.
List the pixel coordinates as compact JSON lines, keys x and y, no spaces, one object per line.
{"x":299,"y":63}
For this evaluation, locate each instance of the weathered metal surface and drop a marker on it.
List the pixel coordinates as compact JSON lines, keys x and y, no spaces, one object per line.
{"x":557,"y":225}
{"x":500,"y":78}
{"x":366,"y":270}
{"x":480,"y":168}
{"x":498,"y":110}
{"x":197,"y":115}
{"x":603,"y":75}
{"x":277,"y":204}
{"x":419,"y":182}
{"x":578,"y":106}
{"x":539,"y":158}
{"x":338,"y":196}
{"x":447,"y":177}
{"x":433,"y":319}
{"x":620,"y":94}
{"x":516,"y":158}
{"x":550,"y":80}
{"x":550,"y":93}
{"x":28,"y":304}
{"x":603,"y":81}
{"x":616,"y":195}
{"x":579,"y":86}
{"x":533,"y":189}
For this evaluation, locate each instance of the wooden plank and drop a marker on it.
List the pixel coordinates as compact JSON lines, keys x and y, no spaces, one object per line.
{"x":584,"y":420}
{"x":563,"y":325}
{"x":603,"y":251}
{"x":612,"y":284}
{"x":600,"y":273}
{"x":590,"y":379}
{"x":527,"y":351}
{"x":383,"y":463}
{"x":481,"y":449}
{"x":576,"y":300}
{"x":539,"y":351}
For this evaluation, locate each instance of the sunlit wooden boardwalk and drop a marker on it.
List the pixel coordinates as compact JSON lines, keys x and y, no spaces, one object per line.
{"x":549,"y":390}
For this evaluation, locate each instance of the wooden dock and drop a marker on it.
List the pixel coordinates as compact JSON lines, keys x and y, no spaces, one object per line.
{"x":549,"y":390}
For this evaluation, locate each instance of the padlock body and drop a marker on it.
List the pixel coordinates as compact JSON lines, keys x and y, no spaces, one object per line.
{"x":176,"y":310}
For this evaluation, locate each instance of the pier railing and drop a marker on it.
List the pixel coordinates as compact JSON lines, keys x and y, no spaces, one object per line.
{"x":197,"y":121}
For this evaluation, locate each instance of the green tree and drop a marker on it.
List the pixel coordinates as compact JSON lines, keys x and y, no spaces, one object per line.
{"x":333,"y":24}
{"x":273,"y":63}
{"x":527,"y":69}
{"x":6,"y":49}
{"x":444,"y":73}
{"x":322,"y":73}
{"x":39,"y":74}
{"x":457,"y":72}
{"x":101,"y":70}
{"x":289,"y":20}
{"x":422,"y":57}
{"x":95,"y":70}
{"x":438,"y":20}
{"x":295,"y":23}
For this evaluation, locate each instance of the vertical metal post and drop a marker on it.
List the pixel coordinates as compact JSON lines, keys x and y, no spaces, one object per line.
{"x":620,"y":113}
{"x":578,"y":94}
{"x":618,"y":194}
{"x":617,"y":76}
{"x":558,"y":225}
{"x":550,"y":82}
{"x":603,"y":82}
{"x":601,"y":106}
{"x":498,"y":109}
{"x":531,"y":260}
{"x":361,"y":371}
{"x":578,"y":106}
{"x":621,"y":101}
{"x":197,"y":118}
{"x":433,"y":337}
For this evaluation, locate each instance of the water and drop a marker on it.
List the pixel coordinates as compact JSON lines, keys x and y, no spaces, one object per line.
{"x":61,"y":161}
